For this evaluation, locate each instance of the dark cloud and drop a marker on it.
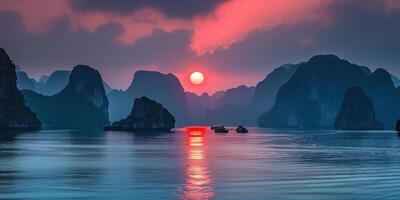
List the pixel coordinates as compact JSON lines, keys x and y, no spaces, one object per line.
{"x":59,"y":47}
{"x":173,"y":8}
{"x":364,"y":32}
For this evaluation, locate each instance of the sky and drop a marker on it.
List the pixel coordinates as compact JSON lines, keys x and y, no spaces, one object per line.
{"x":232,"y":42}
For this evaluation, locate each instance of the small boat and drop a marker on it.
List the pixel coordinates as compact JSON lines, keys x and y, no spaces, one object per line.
{"x":241,"y":129}
{"x":216,"y":127}
{"x":220,"y":129}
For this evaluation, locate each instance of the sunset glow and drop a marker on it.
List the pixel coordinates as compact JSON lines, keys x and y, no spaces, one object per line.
{"x":198,"y":183}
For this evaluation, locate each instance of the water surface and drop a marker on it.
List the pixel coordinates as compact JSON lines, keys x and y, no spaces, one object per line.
{"x":196,"y":164}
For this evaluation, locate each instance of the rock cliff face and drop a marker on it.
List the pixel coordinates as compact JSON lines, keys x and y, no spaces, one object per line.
{"x":146,"y":115}
{"x":14,"y":114}
{"x":357,"y":112}
{"x":87,"y":83}
{"x":313,"y":95}
{"x":163,"y":88}
{"x":81,"y":104}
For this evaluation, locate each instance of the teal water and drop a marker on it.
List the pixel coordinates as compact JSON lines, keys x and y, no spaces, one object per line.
{"x":263,"y":164}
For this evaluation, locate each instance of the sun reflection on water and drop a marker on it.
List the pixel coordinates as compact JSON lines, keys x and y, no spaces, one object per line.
{"x":198,"y":184}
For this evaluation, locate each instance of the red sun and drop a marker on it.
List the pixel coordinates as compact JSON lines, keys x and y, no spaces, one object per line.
{"x":197,"y":78}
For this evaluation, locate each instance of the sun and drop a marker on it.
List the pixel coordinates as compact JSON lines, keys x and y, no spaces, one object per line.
{"x":197,"y":78}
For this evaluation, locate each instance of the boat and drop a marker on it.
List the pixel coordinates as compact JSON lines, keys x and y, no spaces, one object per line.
{"x":241,"y":129}
{"x":220,"y":129}
{"x":216,"y":127}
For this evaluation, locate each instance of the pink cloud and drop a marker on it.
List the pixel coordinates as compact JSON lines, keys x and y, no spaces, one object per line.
{"x":233,"y":21}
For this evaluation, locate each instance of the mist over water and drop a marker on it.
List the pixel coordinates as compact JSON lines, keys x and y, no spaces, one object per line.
{"x":198,"y":164}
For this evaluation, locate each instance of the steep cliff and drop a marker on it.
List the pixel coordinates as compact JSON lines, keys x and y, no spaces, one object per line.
{"x":14,"y":114}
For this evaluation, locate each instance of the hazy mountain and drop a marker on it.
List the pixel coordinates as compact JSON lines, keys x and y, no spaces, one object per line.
{"x":396,"y":81}
{"x":43,"y":79}
{"x":107,"y":87}
{"x":82,"y":103}
{"x":357,"y":112}
{"x":14,"y":114}
{"x":24,"y":82}
{"x":313,"y":95}
{"x":199,"y":105}
{"x":57,"y":81}
{"x":231,"y":107}
{"x":266,"y":90}
{"x":163,"y":88}
{"x":239,"y":96}
{"x":48,"y":85}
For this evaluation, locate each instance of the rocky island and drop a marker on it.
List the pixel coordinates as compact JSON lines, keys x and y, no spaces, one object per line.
{"x":14,"y":114}
{"x":146,"y":115}
{"x":357,"y":112}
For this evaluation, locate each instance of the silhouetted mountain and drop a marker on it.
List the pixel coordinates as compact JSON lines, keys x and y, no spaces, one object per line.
{"x":266,"y":90}
{"x":214,"y":97}
{"x":107,"y":87}
{"x":199,"y":105}
{"x":56,"y":82}
{"x":14,"y":114}
{"x":146,"y":115}
{"x":357,"y":112}
{"x":48,"y":85}
{"x":24,"y":82}
{"x":239,"y":96}
{"x":313,"y":95}
{"x":231,"y":107}
{"x":163,"y":88}
{"x":43,"y":79}
{"x":82,"y":103}
{"x":396,"y":81}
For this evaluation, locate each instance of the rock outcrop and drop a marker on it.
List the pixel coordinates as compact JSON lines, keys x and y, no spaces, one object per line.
{"x":146,"y":115}
{"x":357,"y":112}
{"x":81,"y":104}
{"x":163,"y":88}
{"x":14,"y":114}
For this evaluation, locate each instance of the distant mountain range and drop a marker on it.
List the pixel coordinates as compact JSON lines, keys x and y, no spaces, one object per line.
{"x":47,"y":85}
{"x":81,"y":104}
{"x":304,"y":95}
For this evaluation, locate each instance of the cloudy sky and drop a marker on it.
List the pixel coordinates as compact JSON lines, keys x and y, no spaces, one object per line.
{"x":232,"y":42}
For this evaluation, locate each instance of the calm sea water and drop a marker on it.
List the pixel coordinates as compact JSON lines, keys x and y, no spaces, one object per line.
{"x":197,"y":164}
